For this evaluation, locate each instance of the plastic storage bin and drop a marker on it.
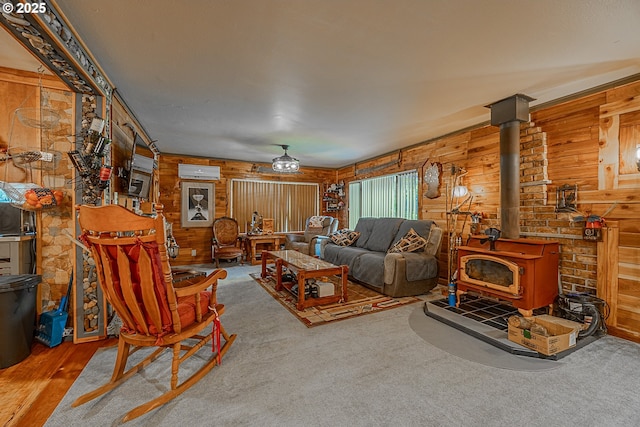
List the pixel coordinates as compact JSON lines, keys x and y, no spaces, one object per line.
{"x":17,"y":317}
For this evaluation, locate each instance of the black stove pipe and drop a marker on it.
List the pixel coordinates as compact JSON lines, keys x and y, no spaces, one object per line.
{"x":508,"y":114}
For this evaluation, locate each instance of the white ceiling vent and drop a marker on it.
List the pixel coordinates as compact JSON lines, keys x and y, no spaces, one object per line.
{"x":205,"y":173}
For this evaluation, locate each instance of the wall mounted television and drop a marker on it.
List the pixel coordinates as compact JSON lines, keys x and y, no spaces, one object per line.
{"x":141,"y":170}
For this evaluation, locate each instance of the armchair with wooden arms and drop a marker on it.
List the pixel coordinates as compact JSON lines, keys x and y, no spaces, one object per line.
{"x":130,"y":255}
{"x":315,"y":227}
{"x":226,"y":240}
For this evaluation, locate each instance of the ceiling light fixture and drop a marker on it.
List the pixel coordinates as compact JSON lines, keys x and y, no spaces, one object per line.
{"x":285,"y":163}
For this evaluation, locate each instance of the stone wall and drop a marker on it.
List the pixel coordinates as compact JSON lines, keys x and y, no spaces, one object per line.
{"x":56,"y":261}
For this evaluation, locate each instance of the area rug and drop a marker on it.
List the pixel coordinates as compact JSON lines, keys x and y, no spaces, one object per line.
{"x":362,"y":300}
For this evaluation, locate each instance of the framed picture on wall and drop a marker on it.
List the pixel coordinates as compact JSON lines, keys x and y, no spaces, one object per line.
{"x":197,"y":204}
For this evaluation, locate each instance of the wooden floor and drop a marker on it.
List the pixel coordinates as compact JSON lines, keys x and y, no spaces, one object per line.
{"x":31,"y":389}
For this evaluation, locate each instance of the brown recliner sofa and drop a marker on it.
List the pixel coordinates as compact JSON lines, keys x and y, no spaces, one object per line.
{"x":306,"y":241}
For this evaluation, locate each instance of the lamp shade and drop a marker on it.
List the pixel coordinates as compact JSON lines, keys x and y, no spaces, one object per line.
{"x":460,"y":191}
{"x":285,"y":163}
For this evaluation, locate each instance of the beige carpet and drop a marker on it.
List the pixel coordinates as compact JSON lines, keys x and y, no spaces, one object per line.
{"x":366,"y":371}
{"x":362,"y":300}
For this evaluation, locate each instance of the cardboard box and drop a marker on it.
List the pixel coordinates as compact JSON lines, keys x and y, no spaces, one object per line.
{"x":562,"y":335}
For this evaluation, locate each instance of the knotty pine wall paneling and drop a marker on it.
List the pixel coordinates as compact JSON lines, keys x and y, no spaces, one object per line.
{"x":619,"y":277}
{"x":199,"y":239}
{"x":572,"y":153}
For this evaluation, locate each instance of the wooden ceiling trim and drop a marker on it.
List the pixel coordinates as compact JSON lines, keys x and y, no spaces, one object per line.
{"x":51,"y":39}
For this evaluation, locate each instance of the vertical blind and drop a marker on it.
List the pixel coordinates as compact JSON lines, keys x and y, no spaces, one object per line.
{"x":288,"y":203}
{"x":384,"y":196}
{"x":407,"y":195}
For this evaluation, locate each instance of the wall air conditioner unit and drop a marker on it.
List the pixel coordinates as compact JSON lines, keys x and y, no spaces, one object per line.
{"x":199,"y":172}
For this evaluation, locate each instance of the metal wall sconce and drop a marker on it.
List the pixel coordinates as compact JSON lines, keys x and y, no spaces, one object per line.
{"x":566,"y":198}
{"x":173,"y":249}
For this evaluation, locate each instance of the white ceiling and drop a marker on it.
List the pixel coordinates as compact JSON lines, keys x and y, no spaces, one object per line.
{"x":344,"y":80}
{"x":14,"y":55}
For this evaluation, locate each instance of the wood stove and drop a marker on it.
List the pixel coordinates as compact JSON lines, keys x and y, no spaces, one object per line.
{"x":521,"y":271}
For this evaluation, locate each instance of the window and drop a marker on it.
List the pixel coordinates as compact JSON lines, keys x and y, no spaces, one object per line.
{"x":384,"y":196}
{"x":288,"y":203}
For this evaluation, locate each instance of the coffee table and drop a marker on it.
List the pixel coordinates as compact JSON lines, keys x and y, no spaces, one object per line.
{"x":304,"y":267}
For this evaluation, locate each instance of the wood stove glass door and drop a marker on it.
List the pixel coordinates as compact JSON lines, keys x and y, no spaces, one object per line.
{"x":491,"y":272}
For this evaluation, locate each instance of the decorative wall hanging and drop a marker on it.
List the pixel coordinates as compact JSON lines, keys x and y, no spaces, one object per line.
{"x":432,"y":175}
{"x":197,"y":204}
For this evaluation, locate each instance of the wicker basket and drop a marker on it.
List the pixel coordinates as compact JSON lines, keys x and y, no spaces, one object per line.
{"x":15,"y":192}
{"x":29,"y":196}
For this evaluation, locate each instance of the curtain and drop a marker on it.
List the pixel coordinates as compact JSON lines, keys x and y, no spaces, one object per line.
{"x":288,"y":203}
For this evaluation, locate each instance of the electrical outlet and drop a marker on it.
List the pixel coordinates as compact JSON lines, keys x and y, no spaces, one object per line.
{"x":193,"y":252}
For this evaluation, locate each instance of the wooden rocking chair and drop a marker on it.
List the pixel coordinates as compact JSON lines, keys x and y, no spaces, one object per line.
{"x":133,"y":269}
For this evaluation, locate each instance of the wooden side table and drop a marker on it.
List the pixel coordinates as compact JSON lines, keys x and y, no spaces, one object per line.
{"x":251,"y":242}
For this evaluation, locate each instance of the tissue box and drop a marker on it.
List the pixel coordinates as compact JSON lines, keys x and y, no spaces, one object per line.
{"x":325,"y":289}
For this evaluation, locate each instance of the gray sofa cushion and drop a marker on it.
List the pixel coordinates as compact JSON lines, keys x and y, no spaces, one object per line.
{"x":331,"y":253}
{"x":342,"y":255}
{"x":369,"y":268}
{"x":382,"y":234}
{"x":365,"y":228}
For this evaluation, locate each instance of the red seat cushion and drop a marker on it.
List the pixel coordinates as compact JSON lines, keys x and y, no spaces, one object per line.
{"x":187,"y":308}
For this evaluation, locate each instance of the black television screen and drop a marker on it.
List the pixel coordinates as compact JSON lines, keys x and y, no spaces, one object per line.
{"x":15,"y":221}
{"x":141,"y":170}
{"x":139,"y":184}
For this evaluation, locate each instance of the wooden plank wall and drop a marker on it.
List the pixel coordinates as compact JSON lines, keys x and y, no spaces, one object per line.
{"x":200,"y":238}
{"x":574,"y":145}
{"x":627,"y":316}
{"x":619,"y":277}
{"x":574,"y":155}
{"x":18,"y":90}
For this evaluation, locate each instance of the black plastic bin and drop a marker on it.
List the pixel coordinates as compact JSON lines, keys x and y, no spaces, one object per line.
{"x":17,"y":317}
